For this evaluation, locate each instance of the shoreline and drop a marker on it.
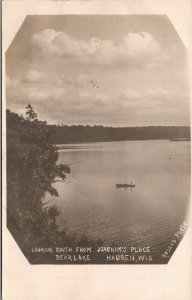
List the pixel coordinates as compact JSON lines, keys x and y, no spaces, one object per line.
{"x":119,"y":141}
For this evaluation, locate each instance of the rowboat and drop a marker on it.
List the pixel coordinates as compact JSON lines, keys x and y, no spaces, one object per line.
{"x":124,"y":185}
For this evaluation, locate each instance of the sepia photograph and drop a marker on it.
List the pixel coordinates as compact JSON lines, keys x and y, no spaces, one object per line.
{"x":97,"y":139}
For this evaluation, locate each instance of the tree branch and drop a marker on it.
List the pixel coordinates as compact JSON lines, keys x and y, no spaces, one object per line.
{"x":46,"y":203}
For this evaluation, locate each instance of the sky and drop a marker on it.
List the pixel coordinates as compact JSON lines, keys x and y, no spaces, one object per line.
{"x":99,"y":70}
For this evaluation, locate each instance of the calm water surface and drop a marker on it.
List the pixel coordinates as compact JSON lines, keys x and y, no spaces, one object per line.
{"x":147,"y":215}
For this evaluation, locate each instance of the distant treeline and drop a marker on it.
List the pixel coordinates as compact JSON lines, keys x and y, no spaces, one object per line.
{"x":84,"y":134}
{"x":64,"y":134}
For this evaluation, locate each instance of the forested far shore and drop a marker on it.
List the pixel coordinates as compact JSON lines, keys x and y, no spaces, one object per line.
{"x":67,"y":134}
{"x":64,"y":134}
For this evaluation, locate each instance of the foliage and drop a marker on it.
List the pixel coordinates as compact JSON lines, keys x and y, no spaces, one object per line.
{"x":31,"y":158}
{"x":32,"y":170}
{"x":84,"y":134}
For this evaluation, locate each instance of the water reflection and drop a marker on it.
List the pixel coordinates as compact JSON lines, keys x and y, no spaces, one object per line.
{"x":149,"y":214}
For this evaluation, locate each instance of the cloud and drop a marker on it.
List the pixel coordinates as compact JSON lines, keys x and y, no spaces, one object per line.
{"x":131,"y":94}
{"x":156,"y":93}
{"x":152,"y":98}
{"x":65,"y":93}
{"x":21,"y":93}
{"x":75,"y":80}
{"x":34,"y":94}
{"x":10,"y":83}
{"x":102,"y":98}
{"x":44,"y":94}
{"x":160,"y":92}
{"x":63,"y":102}
{"x":134,"y":47}
{"x":33,"y":75}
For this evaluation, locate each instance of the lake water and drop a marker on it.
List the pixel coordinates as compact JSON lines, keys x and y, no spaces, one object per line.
{"x":147,"y":215}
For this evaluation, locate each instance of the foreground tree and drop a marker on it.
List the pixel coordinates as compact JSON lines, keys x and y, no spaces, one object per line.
{"x":32,"y":170}
{"x":32,"y":159}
